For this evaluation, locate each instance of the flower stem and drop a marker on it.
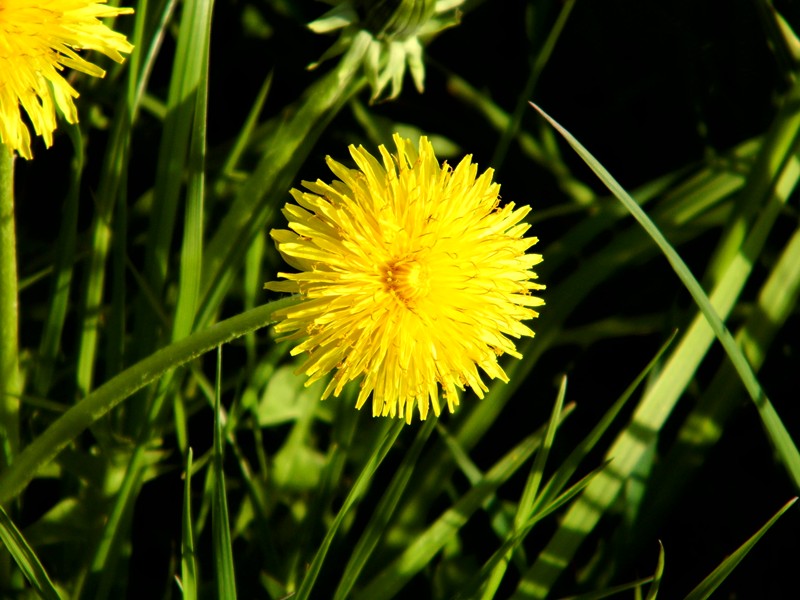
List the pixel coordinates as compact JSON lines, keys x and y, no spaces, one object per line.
{"x":10,"y":381}
{"x":73,"y":422}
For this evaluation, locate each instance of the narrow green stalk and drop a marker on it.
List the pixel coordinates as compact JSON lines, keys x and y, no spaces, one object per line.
{"x":10,"y":382}
{"x":73,"y":422}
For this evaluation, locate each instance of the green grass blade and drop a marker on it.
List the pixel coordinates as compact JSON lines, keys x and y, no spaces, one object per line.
{"x":780,"y":436}
{"x":186,"y":87}
{"x":192,"y":247}
{"x":427,"y":544}
{"x":569,"y":465}
{"x":26,"y":558}
{"x":718,"y":575}
{"x":704,"y":426}
{"x":63,"y":271}
{"x":111,"y":190}
{"x":189,"y":582}
{"x":383,"y":513}
{"x":517,"y":536}
{"x":652,"y":593}
{"x":525,"y":506}
{"x":111,"y":547}
{"x":393,"y":430}
{"x":50,"y":442}
{"x":531,"y":491}
{"x":243,"y":138}
{"x":256,"y":199}
{"x":220,"y":526}
{"x":648,"y":418}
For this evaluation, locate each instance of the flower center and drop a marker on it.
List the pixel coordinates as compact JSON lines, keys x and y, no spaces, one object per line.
{"x":406,"y":279}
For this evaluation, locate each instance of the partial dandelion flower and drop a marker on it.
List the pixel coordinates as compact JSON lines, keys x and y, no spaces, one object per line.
{"x":38,"y":40}
{"x":412,"y":277}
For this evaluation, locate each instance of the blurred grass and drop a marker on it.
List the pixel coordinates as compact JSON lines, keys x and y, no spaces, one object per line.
{"x":160,"y":253}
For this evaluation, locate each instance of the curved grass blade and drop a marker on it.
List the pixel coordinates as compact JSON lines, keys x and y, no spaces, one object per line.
{"x":718,"y":575}
{"x":651,"y":413}
{"x":780,"y":436}
{"x":705,"y":425}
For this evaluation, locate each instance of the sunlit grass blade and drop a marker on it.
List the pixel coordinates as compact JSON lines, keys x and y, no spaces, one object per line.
{"x":220,"y":527}
{"x":704,"y":426}
{"x":531,"y":491}
{"x":715,"y":579}
{"x":568,"y":466}
{"x":517,"y":536}
{"x":187,"y":86}
{"x":392,"y":429}
{"x":191,"y":258}
{"x":189,"y":582}
{"x":788,"y":451}
{"x":428,"y":543}
{"x":526,"y":503}
{"x":383,"y":513}
{"x":26,"y":558}
{"x":652,"y":412}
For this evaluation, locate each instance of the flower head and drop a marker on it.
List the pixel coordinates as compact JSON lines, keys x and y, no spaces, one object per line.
{"x":411,"y":277}
{"x":387,"y":36}
{"x":38,"y":39}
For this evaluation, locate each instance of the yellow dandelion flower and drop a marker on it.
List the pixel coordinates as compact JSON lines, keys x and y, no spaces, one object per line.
{"x":38,"y":39}
{"x":412,"y":276}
